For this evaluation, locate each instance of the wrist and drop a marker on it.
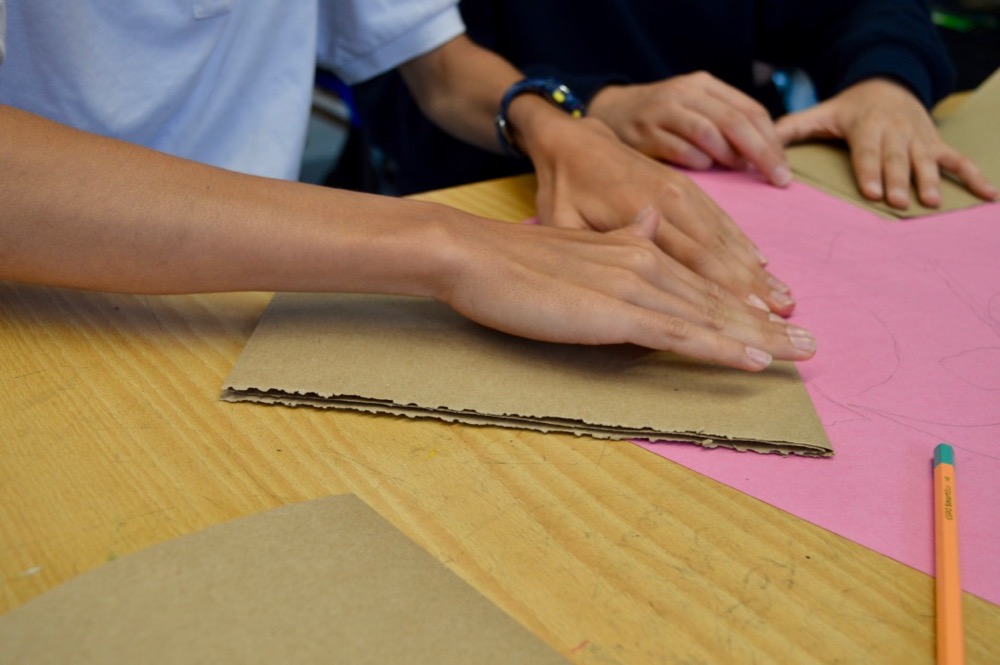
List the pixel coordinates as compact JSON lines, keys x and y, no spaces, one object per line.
{"x":548,"y":136}
{"x":351,"y":242}
{"x":603,"y":101}
{"x":516,"y":103}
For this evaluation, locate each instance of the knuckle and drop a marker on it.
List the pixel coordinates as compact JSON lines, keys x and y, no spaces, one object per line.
{"x":758,"y":113}
{"x":721,"y":244}
{"x":678,"y":329}
{"x":670,"y":190}
{"x":627,"y":280}
{"x":731,"y":119}
{"x":704,"y":132}
{"x":690,"y":157}
{"x":639,"y":259}
{"x":716,"y":295}
{"x":866,"y":155}
{"x":702,"y":261}
{"x":896,"y":158}
{"x":714,"y":315}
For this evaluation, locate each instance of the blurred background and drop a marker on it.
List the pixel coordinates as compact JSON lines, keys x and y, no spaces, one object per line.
{"x":335,"y":154}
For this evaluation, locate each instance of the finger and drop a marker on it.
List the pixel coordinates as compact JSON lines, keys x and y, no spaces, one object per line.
{"x":650,"y":225}
{"x":707,"y":328}
{"x":703,"y":324}
{"x":813,"y":123}
{"x":670,"y":147}
{"x":679,"y":279}
{"x":748,"y":129}
{"x":690,"y":209}
{"x":866,"y":158}
{"x":701,"y":124}
{"x":667,"y":333}
{"x":968,"y":174}
{"x":644,"y":224}
{"x":730,"y":231}
{"x":615,"y":298}
{"x":714,"y":262}
{"x":896,"y":169}
{"x":926,"y":175}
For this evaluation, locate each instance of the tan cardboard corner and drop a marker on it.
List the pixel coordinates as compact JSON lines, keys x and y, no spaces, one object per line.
{"x":324,"y":581}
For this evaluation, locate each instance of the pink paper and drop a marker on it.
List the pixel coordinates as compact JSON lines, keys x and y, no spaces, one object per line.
{"x":907,"y":317}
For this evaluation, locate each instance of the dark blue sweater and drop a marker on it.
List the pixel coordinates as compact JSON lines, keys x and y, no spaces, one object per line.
{"x":589,"y":43}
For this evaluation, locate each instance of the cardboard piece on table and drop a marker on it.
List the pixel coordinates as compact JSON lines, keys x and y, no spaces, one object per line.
{"x":416,"y":357}
{"x":318,"y":582}
{"x":971,"y":129}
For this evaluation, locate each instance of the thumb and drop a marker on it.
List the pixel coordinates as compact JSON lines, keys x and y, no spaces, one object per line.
{"x":555,"y":211}
{"x":814,"y":122}
{"x":643,"y":225}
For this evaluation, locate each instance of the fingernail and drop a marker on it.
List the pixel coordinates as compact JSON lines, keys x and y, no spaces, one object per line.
{"x":777,"y":285}
{"x":782,"y":299}
{"x":874,"y":189}
{"x":761,"y":259}
{"x":757,"y":302}
{"x":900,"y":196}
{"x":775,"y":318}
{"x":781,"y":176}
{"x":759,"y":358}
{"x":802,"y":339}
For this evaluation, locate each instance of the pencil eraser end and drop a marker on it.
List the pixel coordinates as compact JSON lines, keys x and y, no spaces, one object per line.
{"x":944,"y":454}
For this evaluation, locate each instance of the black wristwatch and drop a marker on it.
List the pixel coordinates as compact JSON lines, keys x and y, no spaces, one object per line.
{"x":549,"y":89}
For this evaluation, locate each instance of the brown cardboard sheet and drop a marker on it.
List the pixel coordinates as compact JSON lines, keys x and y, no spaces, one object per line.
{"x":973,"y":129}
{"x":416,"y":357}
{"x":325,"y":581}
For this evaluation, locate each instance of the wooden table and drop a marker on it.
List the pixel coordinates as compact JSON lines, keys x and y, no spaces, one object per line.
{"x":112,"y":438}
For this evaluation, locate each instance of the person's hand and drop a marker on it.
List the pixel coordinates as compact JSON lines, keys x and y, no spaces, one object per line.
{"x":587,"y":178}
{"x":893,"y":142}
{"x":580,"y":286}
{"x":695,"y":121}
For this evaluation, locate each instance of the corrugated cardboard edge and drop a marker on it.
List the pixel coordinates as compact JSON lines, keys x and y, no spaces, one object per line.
{"x":513,"y":421}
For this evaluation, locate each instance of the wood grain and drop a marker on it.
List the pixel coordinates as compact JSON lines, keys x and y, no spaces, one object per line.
{"x":112,"y":438}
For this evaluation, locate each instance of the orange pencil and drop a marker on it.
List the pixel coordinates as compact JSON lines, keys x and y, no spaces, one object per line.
{"x":948,"y":585}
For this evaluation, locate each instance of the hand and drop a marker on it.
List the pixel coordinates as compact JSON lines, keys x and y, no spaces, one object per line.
{"x":892,"y":140}
{"x":694,"y":121}
{"x":578,"y":286}
{"x":587,"y":178}
{"x":244,"y":233}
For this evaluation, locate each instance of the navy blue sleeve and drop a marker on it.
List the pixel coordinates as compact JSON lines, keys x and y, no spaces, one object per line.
{"x":842,"y":42}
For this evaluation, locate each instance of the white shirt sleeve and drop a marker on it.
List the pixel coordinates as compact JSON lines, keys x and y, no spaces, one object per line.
{"x":3,"y":31}
{"x":360,"y":39}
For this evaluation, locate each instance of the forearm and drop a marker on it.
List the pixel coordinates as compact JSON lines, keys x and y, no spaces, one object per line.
{"x":459,"y":87}
{"x":88,"y":212}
